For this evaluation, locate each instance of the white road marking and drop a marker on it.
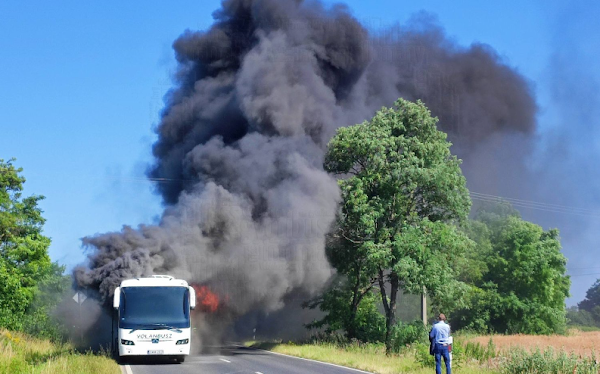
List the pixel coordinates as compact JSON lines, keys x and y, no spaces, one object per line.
{"x":128,"y":369}
{"x":258,"y":372}
{"x":224,"y":360}
{"x":320,"y":362}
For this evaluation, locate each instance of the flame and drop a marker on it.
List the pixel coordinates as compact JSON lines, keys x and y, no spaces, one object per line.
{"x":206,"y":300}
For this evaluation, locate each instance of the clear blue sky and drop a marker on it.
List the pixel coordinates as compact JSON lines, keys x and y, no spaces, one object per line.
{"x":81,"y":85}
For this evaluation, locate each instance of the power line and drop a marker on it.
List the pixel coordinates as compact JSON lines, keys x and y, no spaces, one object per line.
{"x":519,"y":203}
{"x":157,"y":180}
{"x":533,"y":203}
{"x":478,"y":196}
{"x":581,"y":275}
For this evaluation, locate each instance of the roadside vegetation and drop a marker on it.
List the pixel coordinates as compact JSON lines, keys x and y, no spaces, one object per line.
{"x":406,"y":227}
{"x":371,"y":357}
{"x":20,"y":353}
{"x":501,"y":354}
{"x":31,"y":288}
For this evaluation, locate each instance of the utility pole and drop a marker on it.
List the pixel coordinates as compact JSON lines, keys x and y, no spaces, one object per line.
{"x":424,"y":306}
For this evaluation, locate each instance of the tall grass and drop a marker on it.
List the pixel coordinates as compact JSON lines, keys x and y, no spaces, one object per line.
{"x":371,"y":357}
{"x":464,"y":355}
{"x":20,"y":353}
{"x":522,"y":360}
{"x":468,"y":358}
{"x":548,"y":361}
{"x":579,"y":342}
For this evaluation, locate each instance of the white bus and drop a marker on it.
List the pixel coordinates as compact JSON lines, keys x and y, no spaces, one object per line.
{"x":154,"y":317}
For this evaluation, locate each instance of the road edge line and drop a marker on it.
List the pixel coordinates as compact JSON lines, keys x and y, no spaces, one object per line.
{"x":310,"y":359}
{"x":126,"y":369}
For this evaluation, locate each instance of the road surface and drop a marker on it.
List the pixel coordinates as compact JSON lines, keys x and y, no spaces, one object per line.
{"x":238,"y":360}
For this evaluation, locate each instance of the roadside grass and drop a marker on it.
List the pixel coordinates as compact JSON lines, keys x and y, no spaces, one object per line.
{"x":573,"y":353}
{"x":20,"y":353}
{"x":372,"y":358}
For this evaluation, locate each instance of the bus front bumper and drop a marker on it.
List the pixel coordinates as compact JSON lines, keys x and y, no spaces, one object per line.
{"x":149,"y":349}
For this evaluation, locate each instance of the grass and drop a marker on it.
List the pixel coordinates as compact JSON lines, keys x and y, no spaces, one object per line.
{"x":20,"y":353}
{"x":574,"y":353}
{"x":372,"y":358}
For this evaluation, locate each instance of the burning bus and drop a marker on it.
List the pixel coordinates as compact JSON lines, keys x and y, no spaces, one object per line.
{"x":154,"y":317}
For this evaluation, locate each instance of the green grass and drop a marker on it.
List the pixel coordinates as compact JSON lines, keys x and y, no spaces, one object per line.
{"x":469,"y":358}
{"x":372,"y":358}
{"x":548,"y":361}
{"x":20,"y":353}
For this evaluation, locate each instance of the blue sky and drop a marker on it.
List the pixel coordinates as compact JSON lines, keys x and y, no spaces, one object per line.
{"x":81,"y":86}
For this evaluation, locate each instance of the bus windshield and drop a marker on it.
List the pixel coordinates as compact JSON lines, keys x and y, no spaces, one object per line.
{"x":148,"y":307}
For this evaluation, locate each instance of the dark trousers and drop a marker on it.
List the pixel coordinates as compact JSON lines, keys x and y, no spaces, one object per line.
{"x":440,"y":351}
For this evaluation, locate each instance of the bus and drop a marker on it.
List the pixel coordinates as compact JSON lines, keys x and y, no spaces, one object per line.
{"x":153,"y":317}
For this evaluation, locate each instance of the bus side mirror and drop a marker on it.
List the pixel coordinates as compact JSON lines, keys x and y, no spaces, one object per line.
{"x":192,"y":297}
{"x":117,"y":298}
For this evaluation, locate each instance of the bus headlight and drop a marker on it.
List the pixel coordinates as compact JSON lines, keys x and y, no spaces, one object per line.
{"x":183,"y":341}
{"x":127,"y":342}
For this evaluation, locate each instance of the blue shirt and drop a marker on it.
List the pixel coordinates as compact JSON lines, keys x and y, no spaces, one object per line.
{"x":440,"y":332}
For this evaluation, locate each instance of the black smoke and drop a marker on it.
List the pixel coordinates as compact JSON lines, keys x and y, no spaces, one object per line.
{"x":241,"y":140}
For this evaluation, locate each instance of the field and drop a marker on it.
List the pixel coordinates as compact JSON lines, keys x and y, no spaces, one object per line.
{"x":23,"y":354}
{"x":578,"y":342}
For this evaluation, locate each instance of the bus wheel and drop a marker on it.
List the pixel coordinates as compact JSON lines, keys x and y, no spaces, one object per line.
{"x":180,"y":359}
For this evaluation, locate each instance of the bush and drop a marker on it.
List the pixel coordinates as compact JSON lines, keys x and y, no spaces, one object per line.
{"x":422,"y":356}
{"x":478,"y":352}
{"x":368,"y":324}
{"x":406,"y":334}
{"x":328,"y":337}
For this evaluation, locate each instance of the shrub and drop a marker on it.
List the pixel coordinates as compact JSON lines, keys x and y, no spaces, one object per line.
{"x":422,"y":356}
{"x":478,"y":352}
{"x":405,"y":334}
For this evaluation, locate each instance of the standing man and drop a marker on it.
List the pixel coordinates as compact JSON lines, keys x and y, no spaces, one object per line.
{"x":440,"y":340}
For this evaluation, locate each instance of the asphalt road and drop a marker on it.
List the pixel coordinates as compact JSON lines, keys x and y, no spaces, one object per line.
{"x":237,"y":360}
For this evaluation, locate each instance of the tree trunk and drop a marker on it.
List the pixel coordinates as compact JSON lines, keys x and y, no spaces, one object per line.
{"x":391,"y":317}
{"x":351,"y":326}
{"x":389,"y":307}
{"x":357,"y":295}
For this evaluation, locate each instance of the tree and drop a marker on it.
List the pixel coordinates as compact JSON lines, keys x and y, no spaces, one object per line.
{"x":580,"y":317}
{"x":361,"y":321}
{"x":402,"y":194}
{"x":52,"y":289}
{"x":592,"y":298}
{"x":523,"y":286}
{"x":24,"y":260}
{"x":587,"y":312}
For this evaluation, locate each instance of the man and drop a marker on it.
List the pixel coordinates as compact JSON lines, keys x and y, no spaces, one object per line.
{"x":440,"y":340}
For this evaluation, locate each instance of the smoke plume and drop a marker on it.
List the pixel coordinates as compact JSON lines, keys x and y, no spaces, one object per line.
{"x":243,"y":134}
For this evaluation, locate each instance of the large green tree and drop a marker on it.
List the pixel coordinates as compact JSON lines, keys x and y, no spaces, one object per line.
{"x":520,"y":282}
{"x":403,"y":194}
{"x":24,"y":260}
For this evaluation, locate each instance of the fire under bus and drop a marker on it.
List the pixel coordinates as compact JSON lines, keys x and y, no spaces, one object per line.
{"x":154,"y":317}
